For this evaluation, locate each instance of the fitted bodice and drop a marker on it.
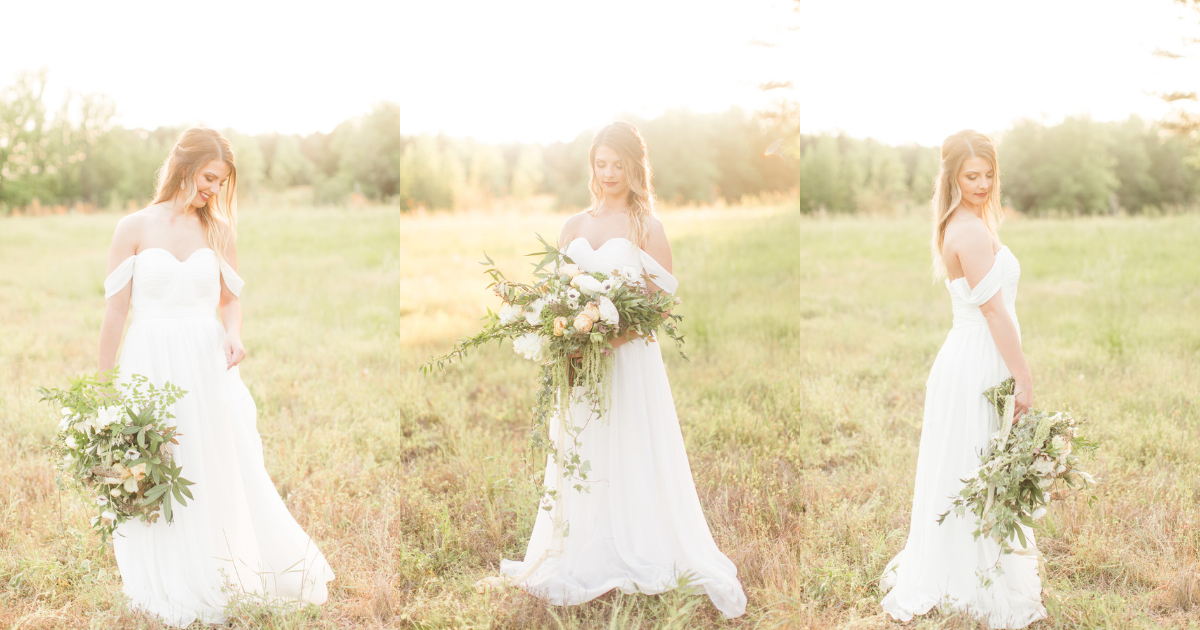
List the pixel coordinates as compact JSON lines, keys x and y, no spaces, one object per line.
{"x":1004,"y":276}
{"x":167,"y":288}
{"x":619,"y":254}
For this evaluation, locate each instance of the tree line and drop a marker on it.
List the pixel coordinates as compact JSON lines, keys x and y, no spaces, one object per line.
{"x":1079,"y":166}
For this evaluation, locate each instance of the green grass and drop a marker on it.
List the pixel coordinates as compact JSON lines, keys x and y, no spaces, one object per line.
{"x":810,"y":341}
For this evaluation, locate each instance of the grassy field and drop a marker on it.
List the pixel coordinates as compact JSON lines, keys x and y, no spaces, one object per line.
{"x":810,"y":342}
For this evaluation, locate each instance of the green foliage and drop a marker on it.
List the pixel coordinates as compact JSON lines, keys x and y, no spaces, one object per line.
{"x":1077,"y":167}
{"x":1085,"y":167}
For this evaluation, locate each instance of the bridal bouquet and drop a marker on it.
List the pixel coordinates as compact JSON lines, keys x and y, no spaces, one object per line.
{"x":1012,"y":485}
{"x":114,"y":442}
{"x":566,"y":320}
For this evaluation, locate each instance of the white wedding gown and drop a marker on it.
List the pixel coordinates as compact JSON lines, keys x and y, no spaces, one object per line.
{"x":940,"y":563}
{"x":236,"y":536}
{"x":641,"y":527}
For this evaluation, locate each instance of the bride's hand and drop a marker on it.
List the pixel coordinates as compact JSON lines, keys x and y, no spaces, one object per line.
{"x":1023,"y":400}
{"x":234,"y":352}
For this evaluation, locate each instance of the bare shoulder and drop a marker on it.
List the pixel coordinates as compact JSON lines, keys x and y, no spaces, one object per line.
{"x":966,"y":234}
{"x":656,"y":228}
{"x":571,"y":228}
{"x":657,"y":244}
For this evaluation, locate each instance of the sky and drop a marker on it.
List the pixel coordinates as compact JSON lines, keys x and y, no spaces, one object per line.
{"x":543,"y":71}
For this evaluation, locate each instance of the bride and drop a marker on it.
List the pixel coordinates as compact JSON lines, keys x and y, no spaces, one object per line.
{"x":944,"y":563}
{"x":640,"y":528}
{"x":174,"y":264}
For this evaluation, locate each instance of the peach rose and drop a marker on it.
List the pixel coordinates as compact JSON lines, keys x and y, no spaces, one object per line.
{"x":560,"y":326}
{"x":592,"y":310}
{"x":583,"y":323}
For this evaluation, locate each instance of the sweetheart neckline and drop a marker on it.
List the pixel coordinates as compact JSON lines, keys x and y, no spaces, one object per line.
{"x":596,"y":249}
{"x":168,"y":253}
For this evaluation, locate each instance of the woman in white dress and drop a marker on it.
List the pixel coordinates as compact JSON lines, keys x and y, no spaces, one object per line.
{"x":174,"y":263}
{"x":640,"y":529}
{"x":944,"y":564}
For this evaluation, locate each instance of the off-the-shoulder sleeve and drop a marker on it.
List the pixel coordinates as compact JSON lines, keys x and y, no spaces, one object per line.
{"x":661,"y":276}
{"x":983,"y":291}
{"x":233,"y":281}
{"x":119,"y":277}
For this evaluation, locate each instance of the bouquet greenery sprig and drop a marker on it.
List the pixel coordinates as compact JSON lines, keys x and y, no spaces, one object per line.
{"x":114,"y":442}
{"x":567,"y":319}
{"x":1012,"y":486}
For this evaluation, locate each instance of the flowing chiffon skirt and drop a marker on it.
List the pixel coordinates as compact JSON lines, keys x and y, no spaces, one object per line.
{"x":641,"y":527}
{"x":941,"y":564}
{"x":236,"y":537}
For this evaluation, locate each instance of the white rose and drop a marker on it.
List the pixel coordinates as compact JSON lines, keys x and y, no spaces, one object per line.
{"x":71,"y":442}
{"x":510,"y":314}
{"x":530,"y":345}
{"x":1044,"y":467}
{"x":608,"y":312}
{"x":533,"y":312}
{"x":586,"y":283}
{"x":568,"y":270}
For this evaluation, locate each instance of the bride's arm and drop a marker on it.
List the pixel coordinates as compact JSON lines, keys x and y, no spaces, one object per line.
{"x":974,"y":252}
{"x":231,"y":313}
{"x":659,"y":249}
{"x":124,"y":245}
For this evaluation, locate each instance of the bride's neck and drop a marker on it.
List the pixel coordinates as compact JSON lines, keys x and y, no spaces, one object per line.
{"x":609,"y":206}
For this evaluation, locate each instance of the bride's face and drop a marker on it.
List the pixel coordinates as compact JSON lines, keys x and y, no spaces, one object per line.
{"x":610,"y":173}
{"x":975,"y":180}
{"x":209,"y":181}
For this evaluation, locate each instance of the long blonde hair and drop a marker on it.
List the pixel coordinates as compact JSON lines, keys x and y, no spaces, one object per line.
{"x":624,"y":138}
{"x":195,"y":148}
{"x":957,"y":149}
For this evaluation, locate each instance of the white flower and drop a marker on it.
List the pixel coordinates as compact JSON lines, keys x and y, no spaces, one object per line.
{"x":1046,"y":482}
{"x":1039,"y":513}
{"x":586,"y":283}
{"x":67,"y":460}
{"x":608,"y":312}
{"x":71,"y":442}
{"x":1043,"y":467}
{"x":533,"y":312}
{"x":530,"y":345}
{"x":632,"y":276}
{"x":108,"y":516}
{"x":568,"y":270}
{"x":510,"y":314}
{"x":115,"y":493}
{"x":66,"y":411}
{"x":107,"y":416}
{"x":132,"y":454}
{"x":610,"y":285}
{"x":573,"y":294}
{"x":101,"y":500}
{"x":131,"y":485}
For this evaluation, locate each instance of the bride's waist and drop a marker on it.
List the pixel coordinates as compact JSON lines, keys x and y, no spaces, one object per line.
{"x":970,"y":316}
{"x":174,"y":314}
